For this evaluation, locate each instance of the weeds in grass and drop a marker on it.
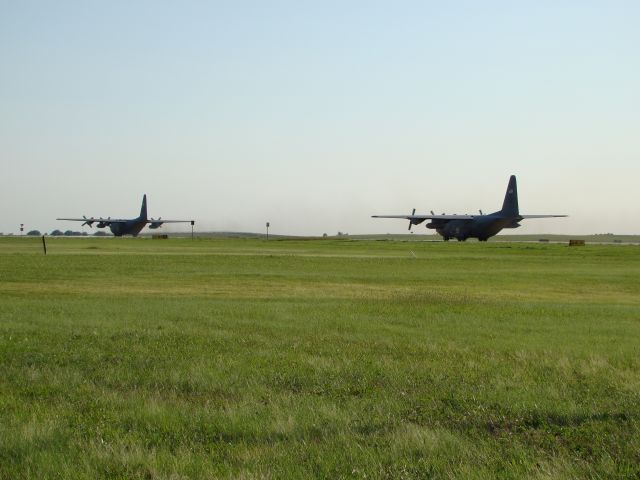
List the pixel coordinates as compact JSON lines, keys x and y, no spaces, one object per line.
{"x":248,"y":359}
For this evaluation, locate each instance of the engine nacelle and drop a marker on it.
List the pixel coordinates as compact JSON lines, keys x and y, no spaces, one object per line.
{"x":155,"y":225}
{"x":102,"y":224}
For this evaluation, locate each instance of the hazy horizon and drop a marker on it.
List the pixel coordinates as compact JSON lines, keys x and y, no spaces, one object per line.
{"x":316,"y":116}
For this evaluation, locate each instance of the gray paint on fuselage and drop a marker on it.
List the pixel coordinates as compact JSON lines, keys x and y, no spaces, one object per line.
{"x":131,"y":226}
{"x":483,"y":226}
{"x":480,"y":226}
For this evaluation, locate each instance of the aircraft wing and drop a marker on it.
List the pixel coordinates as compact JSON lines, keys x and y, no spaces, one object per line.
{"x":160,"y":220}
{"x":427,"y":217}
{"x":541,"y":216}
{"x":94,"y":220}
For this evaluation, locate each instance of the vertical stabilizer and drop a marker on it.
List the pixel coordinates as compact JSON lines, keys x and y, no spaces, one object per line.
{"x":510,"y":204}
{"x":143,"y":209}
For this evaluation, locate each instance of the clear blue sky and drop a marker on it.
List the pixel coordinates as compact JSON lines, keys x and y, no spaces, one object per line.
{"x":316,"y":115}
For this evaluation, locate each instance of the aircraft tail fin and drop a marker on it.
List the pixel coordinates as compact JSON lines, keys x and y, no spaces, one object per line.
{"x":510,"y":204}
{"x":143,"y":208}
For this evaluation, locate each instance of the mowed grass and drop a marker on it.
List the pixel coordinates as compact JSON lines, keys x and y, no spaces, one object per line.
{"x":140,"y":358}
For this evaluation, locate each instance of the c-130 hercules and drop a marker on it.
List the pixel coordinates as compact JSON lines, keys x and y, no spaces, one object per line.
{"x":120,"y":227}
{"x":480,"y":226}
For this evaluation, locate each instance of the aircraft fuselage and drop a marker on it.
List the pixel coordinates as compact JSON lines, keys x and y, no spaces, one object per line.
{"x":481,"y":227}
{"x":130,"y":227}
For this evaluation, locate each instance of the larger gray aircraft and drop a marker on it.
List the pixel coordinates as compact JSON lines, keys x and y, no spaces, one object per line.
{"x":480,"y":226}
{"x":132,"y":226}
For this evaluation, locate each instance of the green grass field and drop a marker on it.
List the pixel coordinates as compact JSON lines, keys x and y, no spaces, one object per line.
{"x":140,"y":358}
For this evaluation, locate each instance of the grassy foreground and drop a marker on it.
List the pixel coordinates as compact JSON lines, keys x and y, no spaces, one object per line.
{"x":145,"y":358}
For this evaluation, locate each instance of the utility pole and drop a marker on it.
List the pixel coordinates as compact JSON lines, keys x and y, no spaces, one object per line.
{"x":192,"y":223}
{"x":267,"y":230}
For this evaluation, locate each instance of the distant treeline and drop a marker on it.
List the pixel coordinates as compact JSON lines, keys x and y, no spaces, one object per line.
{"x":60,"y":233}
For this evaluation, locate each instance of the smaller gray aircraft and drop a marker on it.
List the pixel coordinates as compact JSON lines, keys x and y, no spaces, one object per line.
{"x":480,"y":226}
{"x":120,"y":227}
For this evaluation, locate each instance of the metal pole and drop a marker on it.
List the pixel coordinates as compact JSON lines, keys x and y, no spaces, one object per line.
{"x":192,"y":222}
{"x":44,"y":245}
{"x":267,"y":230}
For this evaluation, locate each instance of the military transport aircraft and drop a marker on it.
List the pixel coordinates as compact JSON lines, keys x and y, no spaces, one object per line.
{"x":131,"y":226}
{"x":480,"y":226}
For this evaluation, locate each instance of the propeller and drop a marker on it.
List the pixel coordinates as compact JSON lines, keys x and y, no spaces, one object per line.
{"x":481,"y":212}
{"x":86,"y":222}
{"x":432,"y":212}
{"x":410,"y":220}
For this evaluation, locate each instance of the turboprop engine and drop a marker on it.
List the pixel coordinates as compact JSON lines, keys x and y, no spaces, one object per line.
{"x":155,"y":223}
